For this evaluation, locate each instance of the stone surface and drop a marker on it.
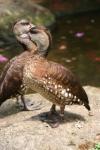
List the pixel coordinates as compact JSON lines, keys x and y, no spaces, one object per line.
{"x":13,"y":10}
{"x":22,"y":130}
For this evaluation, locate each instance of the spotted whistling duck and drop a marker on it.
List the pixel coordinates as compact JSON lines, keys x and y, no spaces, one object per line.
{"x":11,"y":76}
{"x":52,"y":80}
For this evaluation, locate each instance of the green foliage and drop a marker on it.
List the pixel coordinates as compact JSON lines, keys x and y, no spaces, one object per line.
{"x":97,"y":146}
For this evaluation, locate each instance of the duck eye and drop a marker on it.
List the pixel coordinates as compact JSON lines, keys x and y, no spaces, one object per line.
{"x":33,"y":30}
{"x":25,"y":23}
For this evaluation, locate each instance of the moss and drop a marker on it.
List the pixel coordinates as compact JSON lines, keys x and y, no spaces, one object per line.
{"x":97,"y":146}
{"x":46,"y":17}
{"x":37,"y":15}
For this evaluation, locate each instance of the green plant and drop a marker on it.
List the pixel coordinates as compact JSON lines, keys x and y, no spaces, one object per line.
{"x":97,"y":146}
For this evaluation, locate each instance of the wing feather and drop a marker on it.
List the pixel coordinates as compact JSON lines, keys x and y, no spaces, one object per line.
{"x":61,"y":76}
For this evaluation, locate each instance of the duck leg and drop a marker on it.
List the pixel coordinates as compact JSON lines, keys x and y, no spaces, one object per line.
{"x":51,"y":117}
{"x":53,"y":110}
{"x":25,"y":106}
{"x":24,"y":103}
{"x":62,"y":113}
{"x":56,"y":119}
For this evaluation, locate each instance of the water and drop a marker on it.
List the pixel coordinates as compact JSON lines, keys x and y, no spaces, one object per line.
{"x":76,"y":44}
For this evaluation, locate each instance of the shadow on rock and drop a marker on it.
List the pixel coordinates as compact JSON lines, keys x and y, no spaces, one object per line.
{"x":68,"y":117}
{"x":7,"y":110}
{"x":11,"y":107}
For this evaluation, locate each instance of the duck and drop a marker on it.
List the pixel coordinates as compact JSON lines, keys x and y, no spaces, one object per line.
{"x":11,"y":77}
{"x":57,"y":83}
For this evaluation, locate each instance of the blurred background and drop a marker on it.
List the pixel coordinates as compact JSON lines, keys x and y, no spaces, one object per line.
{"x":75,"y":27}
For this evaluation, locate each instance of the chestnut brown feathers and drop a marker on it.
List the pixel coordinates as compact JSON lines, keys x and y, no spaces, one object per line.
{"x":55,"y":82}
{"x":12,"y":75}
{"x":11,"y":78}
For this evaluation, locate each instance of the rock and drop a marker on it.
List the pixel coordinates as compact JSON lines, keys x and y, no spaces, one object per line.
{"x":12,"y":10}
{"x":25,"y":130}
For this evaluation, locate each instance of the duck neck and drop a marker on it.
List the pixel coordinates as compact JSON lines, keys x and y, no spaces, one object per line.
{"x":28,"y":45}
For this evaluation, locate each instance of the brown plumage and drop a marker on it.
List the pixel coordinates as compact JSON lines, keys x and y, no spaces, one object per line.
{"x":55,"y":82}
{"x":12,"y":74}
{"x":11,"y":78}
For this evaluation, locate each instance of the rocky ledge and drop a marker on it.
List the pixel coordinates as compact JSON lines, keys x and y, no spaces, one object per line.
{"x":12,"y":10}
{"x":24,"y":130}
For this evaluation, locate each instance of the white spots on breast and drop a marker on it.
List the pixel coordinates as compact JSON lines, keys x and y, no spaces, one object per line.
{"x":66,"y":95}
{"x":59,"y":86}
{"x":79,"y":101}
{"x":62,"y":95}
{"x":51,"y":90}
{"x":68,"y":89}
{"x":56,"y":92}
{"x":44,"y":82}
{"x":53,"y":83}
{"x":49,"y":82}
{"x":75,"y":97}
{"x":70,"y":95}
{"x":55,"y":86}
{"x":63,"y":91}
{"x":22,"y":85}
{"x":48,"y":88}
